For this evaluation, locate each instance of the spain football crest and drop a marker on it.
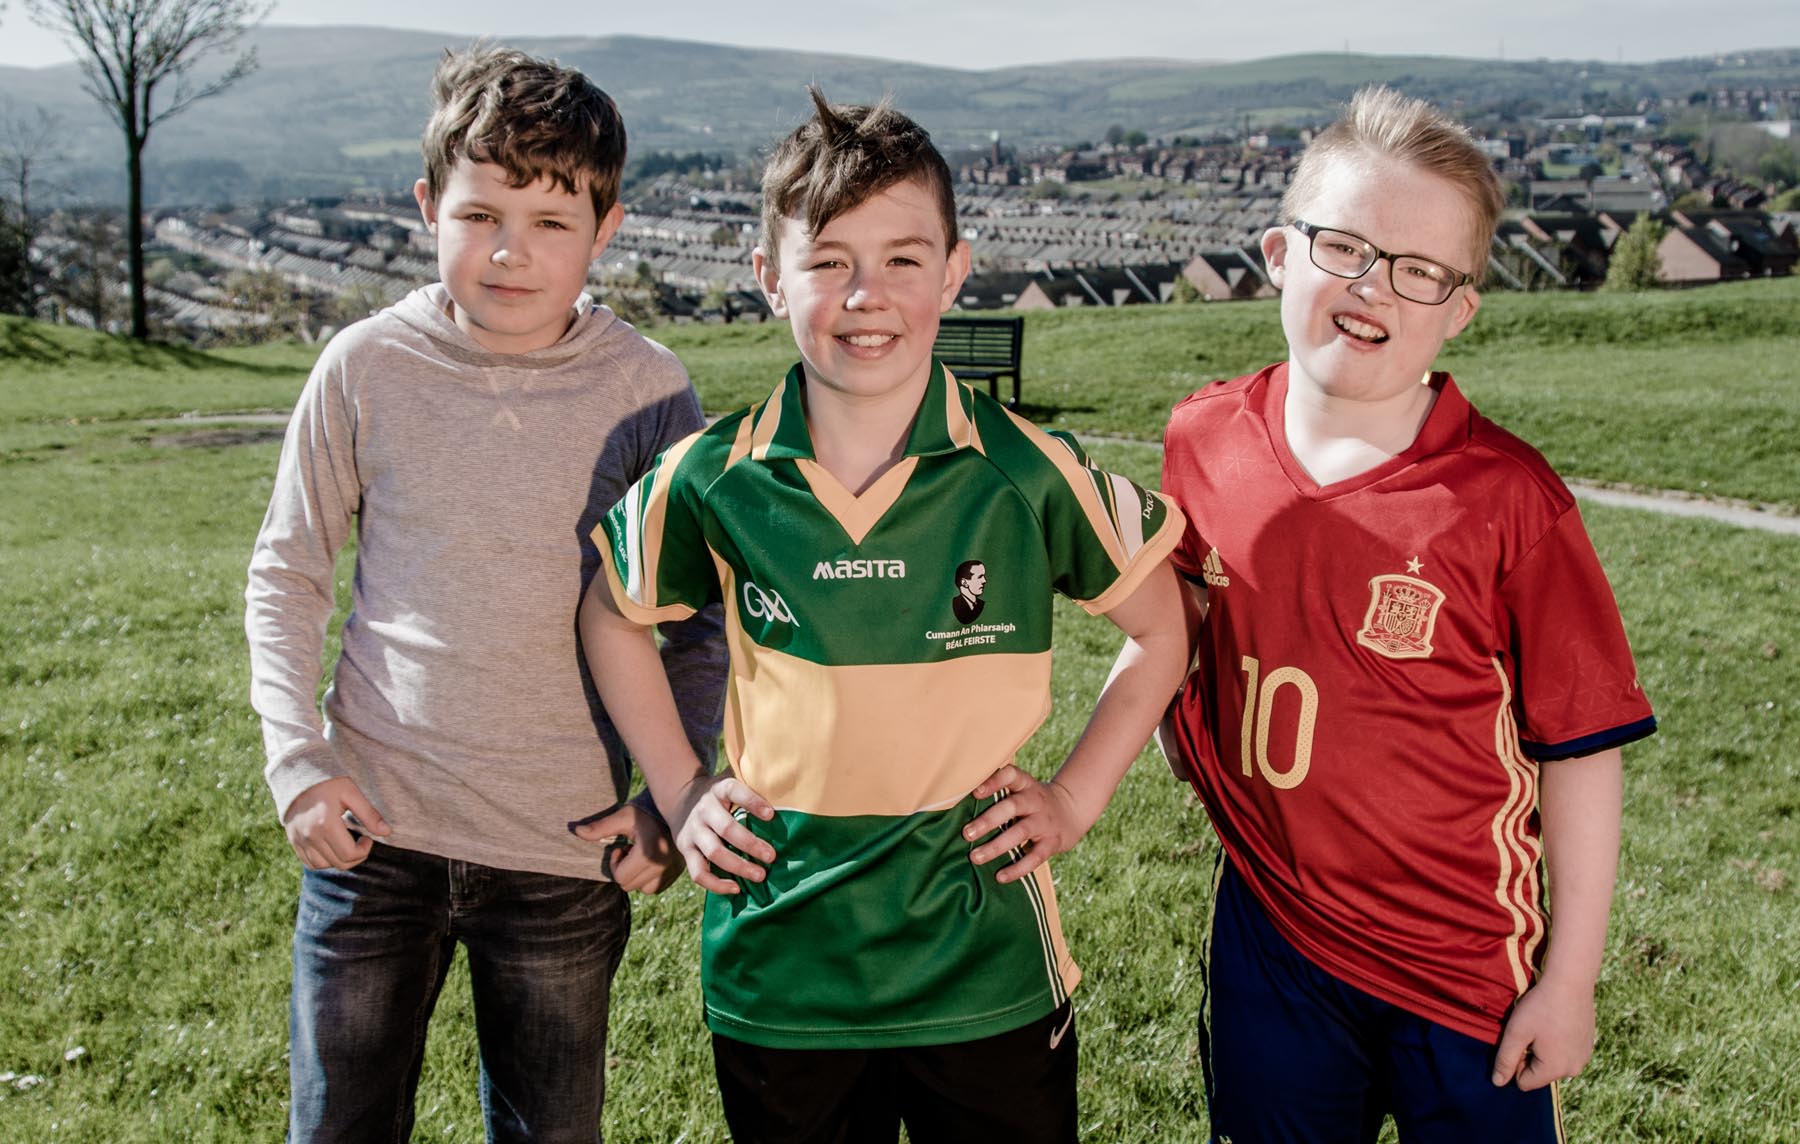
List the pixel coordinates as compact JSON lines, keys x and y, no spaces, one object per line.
{"x":1402,"y":614}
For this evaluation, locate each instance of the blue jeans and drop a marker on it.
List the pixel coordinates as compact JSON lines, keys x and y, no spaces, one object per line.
{"x":372,"y":946}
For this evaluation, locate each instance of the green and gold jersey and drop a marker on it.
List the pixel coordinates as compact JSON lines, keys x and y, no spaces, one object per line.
{"x":889,"y":651}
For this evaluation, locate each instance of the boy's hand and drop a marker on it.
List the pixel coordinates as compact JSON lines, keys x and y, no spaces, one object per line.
{"x":1549,"y":1036}
{"x":708,"y":833}
{"x":1040,"y":816}
{"x":317,"y":831}
{"x":639,"y":856}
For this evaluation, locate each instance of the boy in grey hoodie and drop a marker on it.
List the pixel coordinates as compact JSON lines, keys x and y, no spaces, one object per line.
{"x":473,"y":434}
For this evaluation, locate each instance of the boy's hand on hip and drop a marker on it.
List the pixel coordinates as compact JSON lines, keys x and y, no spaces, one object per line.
{"x":1040,"y":817}
{"x":708,"y":833}
{"x":318,"y":833}
{"x":1549,"y":1036}
{"x":639,"y":854}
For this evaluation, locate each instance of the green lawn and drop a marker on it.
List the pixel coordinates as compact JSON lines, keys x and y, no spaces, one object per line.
{"x":1689,"y":390}
{"x":149,"y":893}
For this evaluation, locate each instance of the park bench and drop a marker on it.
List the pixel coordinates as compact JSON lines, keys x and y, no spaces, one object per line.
{"x":982,"y":349}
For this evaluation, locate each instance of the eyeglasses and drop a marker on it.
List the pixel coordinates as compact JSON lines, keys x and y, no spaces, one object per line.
{"x":1347,"y":255}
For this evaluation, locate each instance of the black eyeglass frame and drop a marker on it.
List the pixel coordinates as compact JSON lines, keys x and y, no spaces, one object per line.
{"x":1310,"y":230}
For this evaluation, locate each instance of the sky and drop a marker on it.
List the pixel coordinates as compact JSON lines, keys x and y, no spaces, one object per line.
{"x":996,"y":33}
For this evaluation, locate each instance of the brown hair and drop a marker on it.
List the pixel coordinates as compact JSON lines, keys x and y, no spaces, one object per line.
{"x":843,"y":156}
{"x":1380,"y":121}
{"x":529,"y":116}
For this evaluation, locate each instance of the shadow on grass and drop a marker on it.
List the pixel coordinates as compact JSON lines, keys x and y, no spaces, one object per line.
{"x":42,"y":344}
{"x":1043,"y":414}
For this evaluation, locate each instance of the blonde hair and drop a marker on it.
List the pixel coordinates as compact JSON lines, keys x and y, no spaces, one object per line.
{"x":843,"y":156}
{"x":1382,"y":122}
{"x":530,"y":116}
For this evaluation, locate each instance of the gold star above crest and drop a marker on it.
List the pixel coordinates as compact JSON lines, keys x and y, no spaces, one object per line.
{"x":1414,"y":565}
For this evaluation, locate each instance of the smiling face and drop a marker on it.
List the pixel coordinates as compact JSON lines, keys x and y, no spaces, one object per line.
{"x":1355,"y":339}
{"x":514,"y":259}
{"x":864,"y":294}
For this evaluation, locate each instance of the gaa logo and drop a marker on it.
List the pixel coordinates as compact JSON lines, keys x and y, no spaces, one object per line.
{"x":767,"y":605}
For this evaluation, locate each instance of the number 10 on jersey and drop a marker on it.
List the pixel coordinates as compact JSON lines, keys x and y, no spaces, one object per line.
{"x":1259,"y":712}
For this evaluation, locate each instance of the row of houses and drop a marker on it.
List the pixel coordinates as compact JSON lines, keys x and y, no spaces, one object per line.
{"x":1574,"y":249}
{"x":1215,"y":276}
{"x":1028,"y":252}
{"x":697,"y":243}
{"x":1258,"y":161}
{"x":1535,"y":251}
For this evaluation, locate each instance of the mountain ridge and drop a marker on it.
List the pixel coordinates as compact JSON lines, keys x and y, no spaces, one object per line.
{"x":335,"y":108}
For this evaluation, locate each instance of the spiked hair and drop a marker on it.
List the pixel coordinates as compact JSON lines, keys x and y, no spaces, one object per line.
{"x":839,"y":159}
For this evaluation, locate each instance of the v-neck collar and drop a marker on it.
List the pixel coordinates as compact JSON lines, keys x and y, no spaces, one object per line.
{"x":1446,"y":428}
{"x":943,"y":423}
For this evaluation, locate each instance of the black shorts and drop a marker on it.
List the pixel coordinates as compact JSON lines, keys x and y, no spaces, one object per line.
{"x":1017,"y":1086}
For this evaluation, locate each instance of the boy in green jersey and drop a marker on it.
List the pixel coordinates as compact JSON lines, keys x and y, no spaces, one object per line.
{"x":886,"y":543}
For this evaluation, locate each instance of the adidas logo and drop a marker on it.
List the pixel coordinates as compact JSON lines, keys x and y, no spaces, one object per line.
{"x":1212,"y":570}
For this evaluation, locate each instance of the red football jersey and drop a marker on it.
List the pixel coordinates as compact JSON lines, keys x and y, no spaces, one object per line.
{"x":1385,"y":662}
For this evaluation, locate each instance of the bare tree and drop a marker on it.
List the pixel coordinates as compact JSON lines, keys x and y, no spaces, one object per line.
{"x":26,"y":144}
{"x":84,"y":281}
{"x":138,"y":57}
{"x":16,"y":295}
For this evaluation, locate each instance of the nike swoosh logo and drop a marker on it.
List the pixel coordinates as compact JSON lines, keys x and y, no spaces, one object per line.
{"x":1056,"y":1035}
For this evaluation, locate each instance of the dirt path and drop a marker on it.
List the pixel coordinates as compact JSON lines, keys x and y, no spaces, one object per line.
{"x":1745,"y":514}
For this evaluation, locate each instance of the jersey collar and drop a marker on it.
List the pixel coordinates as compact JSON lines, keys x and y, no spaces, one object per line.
{"x":943,"y":424}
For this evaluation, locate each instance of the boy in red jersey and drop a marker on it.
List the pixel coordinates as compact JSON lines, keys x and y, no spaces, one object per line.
{"x":1412,"y":687}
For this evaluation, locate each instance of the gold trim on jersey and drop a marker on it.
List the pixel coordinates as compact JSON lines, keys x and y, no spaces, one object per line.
{"x":744,"y":440}
{"x":865,"y":721}
{"x":958,"y":426}
{"x":1517,"y":850}
{"x":1059,"y":968}
{"x":767,"y":417}
{"x":1122,"y":534}
{"x":856,"y":513}
{"x":645,"y":510}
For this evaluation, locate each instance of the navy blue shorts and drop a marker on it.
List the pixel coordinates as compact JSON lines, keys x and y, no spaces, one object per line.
{"x":1291,"y":1053}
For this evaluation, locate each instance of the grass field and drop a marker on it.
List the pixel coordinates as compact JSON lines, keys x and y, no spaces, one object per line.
{"x":148,"y":892}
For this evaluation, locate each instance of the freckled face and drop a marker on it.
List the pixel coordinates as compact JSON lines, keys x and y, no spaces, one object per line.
{"x":864,"y":294}
{"x":1355,"y":338}
{"x":514,"y":259}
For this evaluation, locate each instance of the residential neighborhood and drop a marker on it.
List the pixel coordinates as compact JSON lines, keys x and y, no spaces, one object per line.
{"x":1127,"y":220}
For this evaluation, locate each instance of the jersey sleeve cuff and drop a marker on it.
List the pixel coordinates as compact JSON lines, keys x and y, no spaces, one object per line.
{"x":1143,"y":562}
{"x":1589,"y":744}
{"x":632,"y":610}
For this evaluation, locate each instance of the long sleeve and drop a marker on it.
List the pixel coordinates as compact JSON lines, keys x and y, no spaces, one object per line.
{"x":459,"y":702}
{"x":694,"y":657}
{"x":292,"y":592}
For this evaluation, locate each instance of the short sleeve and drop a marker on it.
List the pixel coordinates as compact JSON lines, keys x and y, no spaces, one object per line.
{"x":1178,"y":473}
{"x":653,"y":542}
{"x":1103,"y":533}
{"x":1576,"y":685}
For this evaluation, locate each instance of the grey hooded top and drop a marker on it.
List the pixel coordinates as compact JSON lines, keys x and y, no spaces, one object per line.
{"x":459,"y":702}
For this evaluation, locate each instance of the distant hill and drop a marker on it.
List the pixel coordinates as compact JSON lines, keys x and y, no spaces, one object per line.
{"x":335,"y":108}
